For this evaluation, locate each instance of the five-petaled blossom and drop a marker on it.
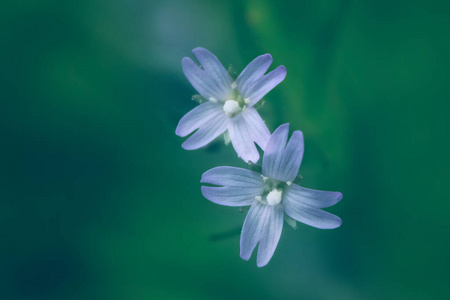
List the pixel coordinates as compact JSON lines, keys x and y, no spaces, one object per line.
{"x":271,"y":195}
{"x":230,"y":103}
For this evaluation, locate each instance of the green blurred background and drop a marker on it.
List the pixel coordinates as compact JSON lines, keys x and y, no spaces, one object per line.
{"x":99,"y":200}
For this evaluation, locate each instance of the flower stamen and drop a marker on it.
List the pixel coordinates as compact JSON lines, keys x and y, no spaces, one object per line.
{"x":274,"y":197}
{"x":231,"y":108}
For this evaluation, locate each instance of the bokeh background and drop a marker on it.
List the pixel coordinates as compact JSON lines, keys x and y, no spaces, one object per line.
{"x":99,"y":201}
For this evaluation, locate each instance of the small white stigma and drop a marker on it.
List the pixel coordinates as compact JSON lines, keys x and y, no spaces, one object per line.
{"x":259,"y":198}
{"x":231,"y":108}
{"x":264,"y":178}
{"x":212,"y":99}
{"x":274,"y":197}
{"x":288,"y":183}
{"x":233,"y":85}
{"x":247,"y":101}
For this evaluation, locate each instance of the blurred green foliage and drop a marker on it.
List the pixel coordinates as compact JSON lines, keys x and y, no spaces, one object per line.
{"x":99,"y":201}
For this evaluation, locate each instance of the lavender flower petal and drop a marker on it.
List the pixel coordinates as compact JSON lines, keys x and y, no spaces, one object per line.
{"x":253,"y":71}
{"x":310,"y":215}
{"x":234,"y":177}
{"x":215,"y":70}
{"x":245,"y":129}
{"x":201,"y":80}
{"x":239,"y":186}
{"x":291,"y":158}
{"x":281,"y":161}
{"x":229,"y":196}
{"x":197,"y":117}
{"x":262,"y":86}
{"x":252,"y":228}
{"x":263,"y":224}
{"x":274,"y":152}
{"x":312,"y":198}
{"x":207,"y":132}
{"x":271,"y":237}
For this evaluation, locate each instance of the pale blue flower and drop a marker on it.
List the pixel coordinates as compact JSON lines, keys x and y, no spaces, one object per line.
{"x":229,"y":103}
{"x":271,"y":195}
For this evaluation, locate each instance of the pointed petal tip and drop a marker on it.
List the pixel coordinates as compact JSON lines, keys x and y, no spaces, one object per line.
{"x":262,"y":260}
{"x":281,"y":129}
{"x":297,"y":136}
{"x":203,"y":189}
{"x":261,"y":264}
{"x":178,"y":131}
{"x":252,"y":158}
{"x":187,"y":64}
{"x":205,"y":175}
{"x":187,"y":146}
{"x":244,"y":253}
{"x":337,"y":222}
{"x":267,"y":56}
{"x":244,"y":257}
{"x":199,"y":49}
{"x":299,"y":132}
{"x":200,"y":52}
{"x":282,"y":72}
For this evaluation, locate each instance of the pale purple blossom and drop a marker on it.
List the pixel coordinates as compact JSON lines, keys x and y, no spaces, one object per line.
{"x":271,"y":195}
{"x":230,"y":103}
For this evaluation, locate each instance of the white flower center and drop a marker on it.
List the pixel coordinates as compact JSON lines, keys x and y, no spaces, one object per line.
{"x":231,"y":108}
{"x":274,"y":197}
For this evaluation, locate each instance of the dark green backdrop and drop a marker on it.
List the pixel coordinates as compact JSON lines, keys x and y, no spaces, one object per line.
{"x":99,"y":201}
